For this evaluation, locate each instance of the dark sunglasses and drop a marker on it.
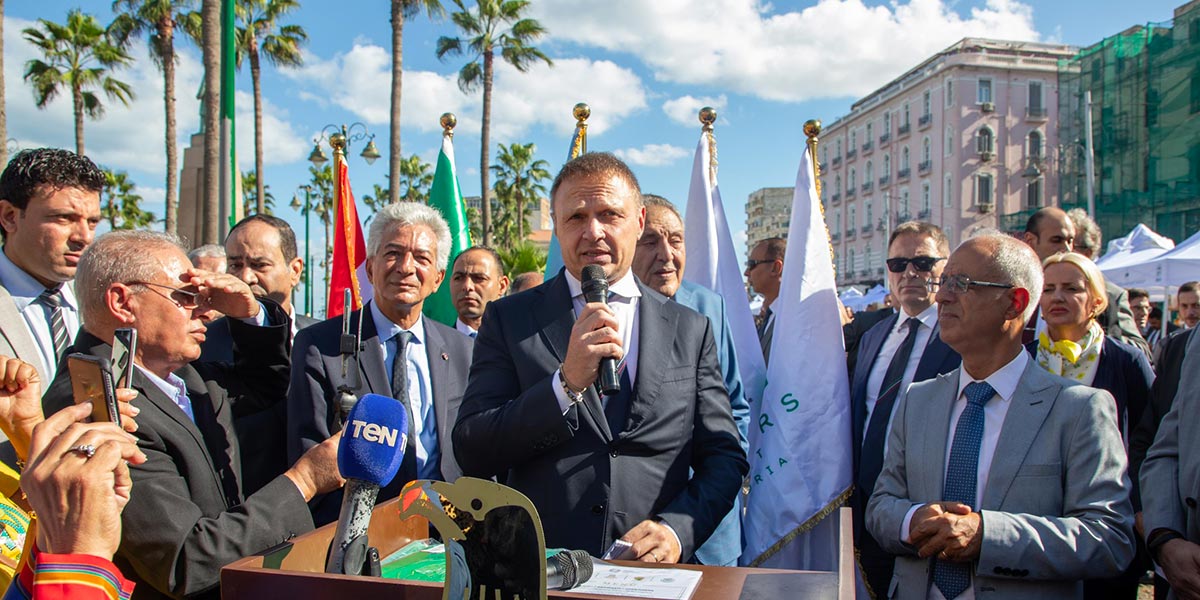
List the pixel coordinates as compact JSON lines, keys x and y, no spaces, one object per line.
{"x":751,"y":263}
{"x":920,"y":263}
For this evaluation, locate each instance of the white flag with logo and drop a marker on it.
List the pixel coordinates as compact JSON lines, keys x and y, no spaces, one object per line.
{"x":712,"y":262}
{"x":800,"y":449}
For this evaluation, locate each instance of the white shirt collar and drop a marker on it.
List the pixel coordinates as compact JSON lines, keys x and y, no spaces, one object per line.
{"x":927,"y":317}
{"x":386,"y":329}
{"x":463,"y":327}
{"x":1004,"y":380}
{"x":23,"y":288}
{"x":625,"y":287}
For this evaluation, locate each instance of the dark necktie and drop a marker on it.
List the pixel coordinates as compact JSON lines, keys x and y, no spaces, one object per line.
{"x":51,"y":298}
{"x":953,"y":578}
{"x":872,"y":450}
{"x":400,"y":387}
{"x":763,"y":318}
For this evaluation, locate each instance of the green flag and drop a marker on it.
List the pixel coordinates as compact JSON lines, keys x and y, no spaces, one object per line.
{"x":447,"y":198}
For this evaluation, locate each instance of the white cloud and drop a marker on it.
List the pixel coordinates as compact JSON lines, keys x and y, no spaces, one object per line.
{"x":835,"y":48}
{"x":686,"y":110}
{"x":652,"y":155}
{"x":363,"y":77}
{"x":282,"y":144}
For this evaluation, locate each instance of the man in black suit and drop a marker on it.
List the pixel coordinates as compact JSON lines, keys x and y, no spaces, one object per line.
{"x":618,"y":467}
{"x":897,"y":351}
{"x":403,"y":355}
{"x":261,"y":251}
{"x":190,"y":515}
{"x":764,"y":272}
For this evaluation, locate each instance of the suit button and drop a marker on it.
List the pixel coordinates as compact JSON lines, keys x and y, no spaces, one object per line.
{"x":598,"y":509}
{"x":614,"y":453}
{"x":1191,"y":502}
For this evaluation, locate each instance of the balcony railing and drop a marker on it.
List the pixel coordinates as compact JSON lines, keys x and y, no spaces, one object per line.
{"x":886,"y":179}
{"x":866,"y":187}
{"x":924,"y":166}
{"x":865,"y":229}
{"x":837,"y":161}
{"x":836,"y":198}
{"x":1035,"y":112}
{"x":923,"y":214}
{"x":924,"y":121}
{"x":866,"y":147}
{"x":850,"y":193}
{"x":851,"y":154}
{"x":883,"y":139}
{"x":903,"y":216}
{"x":835,"y":236}
{"x":850,"y":233}
{"x":904,"y":129}
{"x":902,"y":173}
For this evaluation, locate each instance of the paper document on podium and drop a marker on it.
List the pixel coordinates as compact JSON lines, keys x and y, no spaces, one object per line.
{"x":634,"y":582}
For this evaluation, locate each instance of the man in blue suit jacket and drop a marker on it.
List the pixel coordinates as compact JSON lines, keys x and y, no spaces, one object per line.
{"x":899,"y":350}
{"x":659,"y":262}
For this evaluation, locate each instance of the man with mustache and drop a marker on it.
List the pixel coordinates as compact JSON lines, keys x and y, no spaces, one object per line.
{"x":404,"y":355}
{"x":49,"y":209}
{"x":477,"y":279}
{"x":261,"y":251}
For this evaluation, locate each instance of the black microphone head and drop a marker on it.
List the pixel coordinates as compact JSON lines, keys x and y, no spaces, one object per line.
{"x":594,"y":284}
{"x":574,"y":567}
{"x":583,"y":566}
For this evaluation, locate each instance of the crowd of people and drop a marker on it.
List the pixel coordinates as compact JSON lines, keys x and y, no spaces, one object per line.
{"x":1004,"y":410}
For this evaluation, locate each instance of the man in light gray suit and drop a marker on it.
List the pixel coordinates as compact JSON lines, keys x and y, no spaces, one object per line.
{"x":1170,"y":479}
{"x":1000,"y":480}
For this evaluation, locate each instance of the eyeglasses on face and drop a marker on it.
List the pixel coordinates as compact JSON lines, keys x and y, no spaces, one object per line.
{"x":183,"y":298}
{"x":751,"y":263}
{"x":961,"y":284}
{"x":924,"y":264}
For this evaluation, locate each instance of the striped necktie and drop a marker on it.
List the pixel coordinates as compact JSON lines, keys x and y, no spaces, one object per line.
{"x":52,"y":299}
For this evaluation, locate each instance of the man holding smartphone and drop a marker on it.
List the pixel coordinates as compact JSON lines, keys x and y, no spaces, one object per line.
{"x":190,"y":514}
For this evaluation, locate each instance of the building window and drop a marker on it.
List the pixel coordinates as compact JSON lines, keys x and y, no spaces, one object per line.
{"x":837,"y":185}
{"x":948,"y":191}
{"x":904,"y":117}
{"x":887,"y":122}
{"x":950,"y":145}
{"x":984,"y":91}
{"x":837,"y":219}
{"x":867,"y":259}
{"x":870,"y":174}
{"x":983,"y":140}
{"x":851,"y":219}
{"x":851,"y":179}
{"x":870,"y":135}
{"x":905,"y":203}
{"x":887,"y":165}
{"x":983,"y":189}
{"x":926,"y":104}
{"x":904,"y":158}
{"x":1035,"y":98}
{"x":1033,"y":192}
{"x":853,"y":139}
{"x":850,"y":263}
{"x":949,"y":93}
{"x":868,"y":213}
{"x":926,"y":199}
{"x":838,"y":154}
{"x":926,"y":153}
{"x":1035,"y":144}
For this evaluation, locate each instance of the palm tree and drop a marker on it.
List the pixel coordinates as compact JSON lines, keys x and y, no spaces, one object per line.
{"x":123,"y":203}
{"x":78,"y":56}
{"x":523,"y":177}
{"x":321,"y":181}
{"x":494,"y":26}
{"x":250,"y":189}
{"x":259,"y":36}
{"x":210,"y":48}
{"x":401,"y":11}
{"x":416,"y":176}
{"x":524,"y":257}
{"x":160,"y":17}
{"x":376,"y":199}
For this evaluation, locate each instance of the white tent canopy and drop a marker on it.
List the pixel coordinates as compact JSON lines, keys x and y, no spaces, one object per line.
{"x":1161,"y":273}
{"x":1124,"y":262}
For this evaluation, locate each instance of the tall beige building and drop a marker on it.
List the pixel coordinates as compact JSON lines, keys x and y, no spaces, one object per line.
{"x":768,"y":214}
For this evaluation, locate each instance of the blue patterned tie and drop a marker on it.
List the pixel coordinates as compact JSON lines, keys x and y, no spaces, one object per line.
{"x":953,"y":578}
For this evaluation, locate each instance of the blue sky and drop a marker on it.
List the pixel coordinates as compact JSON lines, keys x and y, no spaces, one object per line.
{"x":644,"y":66}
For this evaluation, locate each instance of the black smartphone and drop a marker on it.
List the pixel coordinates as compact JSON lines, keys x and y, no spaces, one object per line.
{"x":92,"y":381}
{"x":123,"y":349}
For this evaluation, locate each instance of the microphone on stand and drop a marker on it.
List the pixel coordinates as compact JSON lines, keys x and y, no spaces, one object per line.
{"x":373,"y":441}
{"x":595,"y":289}
{"x":568,"y":569}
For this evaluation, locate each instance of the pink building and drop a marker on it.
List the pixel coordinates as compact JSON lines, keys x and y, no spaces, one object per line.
{"x":950,"y":142}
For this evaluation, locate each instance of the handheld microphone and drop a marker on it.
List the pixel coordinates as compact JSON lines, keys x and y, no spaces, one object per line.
{"x":568,"y":569}
{"x":369,"y":455}
{"x":595,"y":289}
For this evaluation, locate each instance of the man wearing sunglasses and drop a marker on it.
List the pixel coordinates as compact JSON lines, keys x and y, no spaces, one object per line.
{"x":895,"y":352}
{"x":191,"y":513}
{"x":764,"y":272}
{"x":1000,"y":480}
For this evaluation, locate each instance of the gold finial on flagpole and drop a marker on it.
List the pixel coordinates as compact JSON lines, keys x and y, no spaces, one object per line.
{"x":812,"y":129}
{"x":448,"y":121}
{"x":708,"y":116}
{"x":581,"y":112}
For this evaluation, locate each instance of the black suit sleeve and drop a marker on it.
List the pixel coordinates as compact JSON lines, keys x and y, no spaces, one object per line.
{"x":1162,"y":395}
{"x":718,"y":461}
{"x":257,"y":379}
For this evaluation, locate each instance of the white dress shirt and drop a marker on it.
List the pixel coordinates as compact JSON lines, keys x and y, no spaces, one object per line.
{"x":623,"y":300}
{"x":420,"y":398}
{"x":24,"y":289}
{"x":465,"y":329}
{"x":1004,"y":381}
{"x":891,"y":345}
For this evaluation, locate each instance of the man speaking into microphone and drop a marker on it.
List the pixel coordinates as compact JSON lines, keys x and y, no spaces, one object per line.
{"x":602,"y":468}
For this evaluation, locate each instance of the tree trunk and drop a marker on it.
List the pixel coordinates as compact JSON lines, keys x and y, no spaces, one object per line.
{"x":3,"y":112}
{"x":210,"y":17}
{"x":483,"y":150}
{"x":520,"y":216}
{"x":166,"y":33}
{"x":256,"y":77}
{"x":394,"y":156}
{"x":77,"y":100}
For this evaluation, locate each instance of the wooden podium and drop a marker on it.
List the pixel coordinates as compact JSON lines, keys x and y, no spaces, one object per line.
{"x":296,"y":570}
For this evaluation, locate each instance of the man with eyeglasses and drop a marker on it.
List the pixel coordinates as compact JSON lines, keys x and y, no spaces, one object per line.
{"x":895,"y":352}
{"x":764,"y":272}
{"x":190,"y":513}
{"x":1000,"y":480}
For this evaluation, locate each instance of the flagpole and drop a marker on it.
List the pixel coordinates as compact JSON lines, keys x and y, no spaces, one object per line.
{"x":708,"y":116}
{"x":812,"y":130}
{"x":578,"y":146}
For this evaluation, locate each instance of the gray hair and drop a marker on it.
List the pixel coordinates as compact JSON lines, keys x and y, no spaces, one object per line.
{"x":118,"y":257}
{"x":406,"y":214}
{"x":1016,"y":264}
{"x":649,"y":200}
{"x":206,"y":251}
{"x":1088,"y":236}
